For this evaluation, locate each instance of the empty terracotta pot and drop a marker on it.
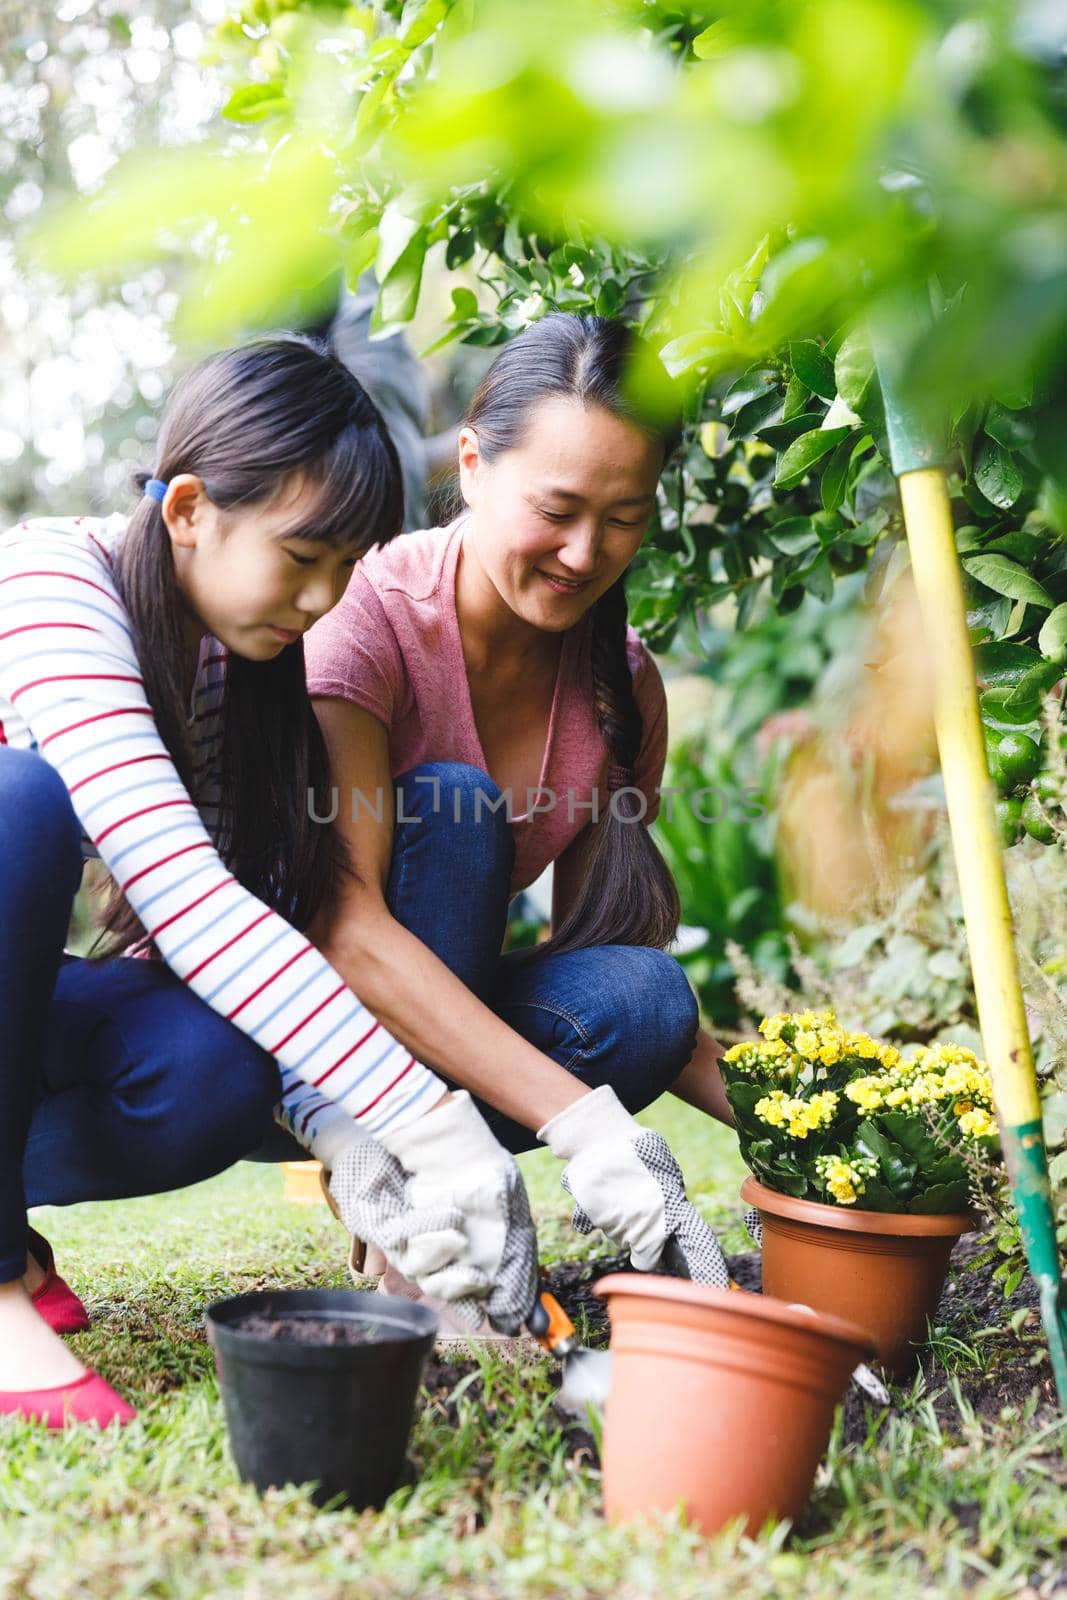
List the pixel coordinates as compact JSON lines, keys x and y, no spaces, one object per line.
{"x":720,"y":1401}
{"x":879,"y":1269}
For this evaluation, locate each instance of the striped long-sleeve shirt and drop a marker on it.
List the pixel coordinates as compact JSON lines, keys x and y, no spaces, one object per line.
{"x":71,"y":689}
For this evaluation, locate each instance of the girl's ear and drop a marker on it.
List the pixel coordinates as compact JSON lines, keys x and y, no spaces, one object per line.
{"x":185,"y":507}
{"x":469,"y":465}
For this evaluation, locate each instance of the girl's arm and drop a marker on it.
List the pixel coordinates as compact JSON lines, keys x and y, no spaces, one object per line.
{"x":69,"y":667}
{"x":404,"y":983}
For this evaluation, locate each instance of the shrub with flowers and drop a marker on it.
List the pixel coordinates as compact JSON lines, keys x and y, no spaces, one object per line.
{"x":826,"y":1114}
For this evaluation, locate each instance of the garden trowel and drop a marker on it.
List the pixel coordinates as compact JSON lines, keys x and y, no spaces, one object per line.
{"x":586,"y":1374}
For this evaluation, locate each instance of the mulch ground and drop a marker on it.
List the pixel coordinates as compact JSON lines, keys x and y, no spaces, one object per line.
{"x":1012,"y":1369}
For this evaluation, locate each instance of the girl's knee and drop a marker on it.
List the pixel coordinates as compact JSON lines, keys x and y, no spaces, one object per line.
{"x":38,"y":820}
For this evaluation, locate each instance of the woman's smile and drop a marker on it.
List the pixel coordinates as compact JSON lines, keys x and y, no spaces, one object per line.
{"x":563,"y":585}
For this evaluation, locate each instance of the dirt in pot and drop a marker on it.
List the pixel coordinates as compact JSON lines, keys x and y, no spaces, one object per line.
{"x":314,"y":1330}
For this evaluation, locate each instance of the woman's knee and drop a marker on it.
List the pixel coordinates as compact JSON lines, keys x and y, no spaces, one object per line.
{"x":618,"y":1014}
{"x":37,"y":820}
{"x":462,"y":805}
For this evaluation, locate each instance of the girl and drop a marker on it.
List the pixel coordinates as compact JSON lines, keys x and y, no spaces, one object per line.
{"x":153,"y":711}
{"x":487,"y":668}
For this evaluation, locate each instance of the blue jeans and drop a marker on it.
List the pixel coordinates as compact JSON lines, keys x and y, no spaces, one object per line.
{"x":617,"y":1014}
{"x":115,"y":1079}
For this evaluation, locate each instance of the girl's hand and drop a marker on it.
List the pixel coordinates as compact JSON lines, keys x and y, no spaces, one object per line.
{"x":626,"y":1182}
{"x":446,"y":1203}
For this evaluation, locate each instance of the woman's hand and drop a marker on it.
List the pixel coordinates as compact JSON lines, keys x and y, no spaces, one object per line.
{"x":627,"y":1183}
{"x":446,"y":1203}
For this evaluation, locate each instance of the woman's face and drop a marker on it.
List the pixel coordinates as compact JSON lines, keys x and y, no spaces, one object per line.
{"x":556,"y":519}
{"x":243,"y":577}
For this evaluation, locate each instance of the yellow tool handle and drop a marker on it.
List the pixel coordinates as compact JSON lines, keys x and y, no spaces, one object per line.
{"x":969,"y":796}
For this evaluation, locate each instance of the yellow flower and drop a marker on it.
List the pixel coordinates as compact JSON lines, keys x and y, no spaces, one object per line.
{"x":830,"y":1052}
{"x":977,"y":1124}
{"x":771,"y":1027}
{"x":844,"y":1179}
{"x":864,"y":1047}
{"x":806,"y":1043}
{"x":771,"y":1109}
{"x":773,"y":1049}
{"x":896,"y":1097}
{"x":737,"y":1052}
{"x":865,"y":1093}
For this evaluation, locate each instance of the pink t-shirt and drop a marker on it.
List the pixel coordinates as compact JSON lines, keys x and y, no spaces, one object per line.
{"x":392,"y":646}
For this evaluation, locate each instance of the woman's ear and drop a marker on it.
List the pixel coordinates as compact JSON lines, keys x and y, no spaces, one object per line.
{"x":185,"y":507}
{"x":469,"y":465}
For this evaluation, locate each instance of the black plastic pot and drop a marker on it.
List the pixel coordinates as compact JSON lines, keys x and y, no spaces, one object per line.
{"x":337,"y":1414}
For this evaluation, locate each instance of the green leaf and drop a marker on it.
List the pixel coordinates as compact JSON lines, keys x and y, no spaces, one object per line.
{"x":464,"y":305}
{"x":835,"y":474}
{"x":752,"y":385}
{"x":1001,"y":665}
{"x":420,"y":26}
{"x":857,"y":380}
{"x":997,"y":474}
{"x":703,"y":347}
{"x":358,"y":256}
{"x":797,"y":395}
{"x":819,"y":579}
{"x":1005,"y":576}
{"x":1012,"y":429}
{"x":813,"y":367}
{"x":781,"y":434}
{"x":940,"y":1198}
{"x":256,"y":101}
{"x":398,"y":295}
{"x":1053,"y":636}
{"x":793,"y":535}
{"x":803,"y":454}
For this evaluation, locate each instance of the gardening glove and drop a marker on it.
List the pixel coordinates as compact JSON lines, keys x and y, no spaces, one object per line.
{"x":627,"y":1183}
{"x":445,"y":1202}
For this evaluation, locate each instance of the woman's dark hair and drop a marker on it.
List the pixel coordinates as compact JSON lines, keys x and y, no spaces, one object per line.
{"x":245,"y":421}
{"x":628,"y":895}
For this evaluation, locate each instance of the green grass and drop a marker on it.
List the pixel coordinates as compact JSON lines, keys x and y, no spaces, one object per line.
{"x":502,"y":1507}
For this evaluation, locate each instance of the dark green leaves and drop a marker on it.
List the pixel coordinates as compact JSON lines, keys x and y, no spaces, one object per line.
{"x":997,"y":474}
{"x":805,"y":452}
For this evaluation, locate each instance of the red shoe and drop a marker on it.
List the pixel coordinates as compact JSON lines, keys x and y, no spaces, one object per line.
{"x":87,"y":1399}
{"x":55,"y":1299}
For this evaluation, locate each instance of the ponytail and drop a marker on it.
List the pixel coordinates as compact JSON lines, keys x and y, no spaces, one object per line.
{"x":627,"y":895}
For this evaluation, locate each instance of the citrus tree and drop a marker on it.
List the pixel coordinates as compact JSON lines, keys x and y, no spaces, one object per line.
{"x":753,"y":185}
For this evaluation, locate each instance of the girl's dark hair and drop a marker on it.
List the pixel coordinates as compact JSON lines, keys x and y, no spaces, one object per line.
{"x":628,"y":895}
{"x":245,"y":421}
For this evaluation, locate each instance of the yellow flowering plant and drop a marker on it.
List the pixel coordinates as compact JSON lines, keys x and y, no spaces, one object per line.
{"x":826,"y":1114}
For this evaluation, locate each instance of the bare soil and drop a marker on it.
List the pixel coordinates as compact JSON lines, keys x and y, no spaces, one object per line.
{"x":311,"y":1330}
{"x":999,"y":1369}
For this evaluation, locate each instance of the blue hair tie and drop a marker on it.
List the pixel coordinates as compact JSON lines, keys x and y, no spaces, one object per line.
{"x":155,"y":488}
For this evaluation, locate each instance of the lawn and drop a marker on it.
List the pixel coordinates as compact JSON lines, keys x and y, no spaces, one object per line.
{"x":960,"y":1488}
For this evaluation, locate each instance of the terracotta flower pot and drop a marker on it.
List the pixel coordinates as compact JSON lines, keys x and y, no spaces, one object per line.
{"x":882,"y":1270}
{"x":719,"y":1401}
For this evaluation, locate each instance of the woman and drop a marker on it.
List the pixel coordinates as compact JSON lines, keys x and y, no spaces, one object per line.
{"x":153,"y":710}
{"x":487,"y":672}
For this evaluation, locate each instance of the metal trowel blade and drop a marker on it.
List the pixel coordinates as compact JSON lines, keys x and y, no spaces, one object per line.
{"x":586,"y":1380}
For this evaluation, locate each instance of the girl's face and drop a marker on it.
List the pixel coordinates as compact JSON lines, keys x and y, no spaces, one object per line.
{"x":556,"y":519}
{"x":243,"y":578}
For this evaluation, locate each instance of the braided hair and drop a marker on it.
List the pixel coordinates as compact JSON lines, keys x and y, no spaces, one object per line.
{"x":627,"y":895}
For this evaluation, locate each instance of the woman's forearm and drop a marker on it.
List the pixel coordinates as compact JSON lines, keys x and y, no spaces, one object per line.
{"x":437,"y":1018}
{"x":700,"y":1081}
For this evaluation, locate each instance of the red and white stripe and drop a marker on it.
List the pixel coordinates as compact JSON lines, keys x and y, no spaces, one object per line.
{"x":70,"y":687}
